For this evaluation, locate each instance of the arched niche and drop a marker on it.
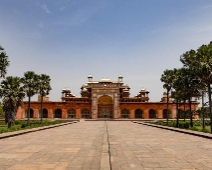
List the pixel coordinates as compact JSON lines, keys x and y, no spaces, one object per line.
{"x":58,"y":113}
{"x":139,"y":113}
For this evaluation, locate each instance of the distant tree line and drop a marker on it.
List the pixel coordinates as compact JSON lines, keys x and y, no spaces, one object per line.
{"x":14,"y":89}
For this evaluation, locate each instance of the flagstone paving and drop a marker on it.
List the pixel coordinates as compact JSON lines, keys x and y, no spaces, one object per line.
{"x":85,"y":146}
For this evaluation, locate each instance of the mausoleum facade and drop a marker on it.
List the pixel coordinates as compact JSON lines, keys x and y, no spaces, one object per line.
{"x":103,"y":99}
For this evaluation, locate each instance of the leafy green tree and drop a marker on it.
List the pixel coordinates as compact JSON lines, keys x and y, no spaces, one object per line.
{"x":44,"y":88}
{"x":188,"y":58}
{"x":203,"y":69}
{"x":200,"y":63}
{"x":12,"y":91}
{"x":175,"y":93}
{"x":31,"y":85}
{"x":4,"y":63}
{"x":182,"y":78}
{"x":187,"y":86}
{"x":205,"y":111}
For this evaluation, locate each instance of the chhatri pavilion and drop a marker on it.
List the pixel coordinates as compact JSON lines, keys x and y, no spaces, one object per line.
{"x":103,"y":99}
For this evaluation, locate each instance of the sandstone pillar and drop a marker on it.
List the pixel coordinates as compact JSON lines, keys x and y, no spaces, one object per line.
{"x":20,"y":113}
{"x":160,"y":114}
{"x":94,"y":110}
{"x":116,"y":106}
{"x":146,"y":113}
{"x":50,"y":113}
{"x":78,"y":113}
{"x":132,"y":115}
{"x":36,"y":114}
{"x":64,"y":113}
{"x":174,"y":112}
{"x":119,"y":114}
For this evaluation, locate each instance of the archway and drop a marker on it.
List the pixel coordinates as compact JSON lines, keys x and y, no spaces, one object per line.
{"x":152,"y":114}
{"x":125,"y":113}
{"x":45,"y":113}
{"x":105,"y":107}
{"x":71,"y":113}
{"x":105,"y":113}
{"x":139,"y":113}
{"x":31,"y":115}
{"x":58,"y":113}
{"x":85,"y":113}
{"x":165,"y":113}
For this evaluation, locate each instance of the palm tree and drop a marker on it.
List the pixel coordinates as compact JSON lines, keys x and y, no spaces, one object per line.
{"x":30,"y":81}
{"x":167,"y":78}
{"x":43,"y":89}
{"x":13,"y":94}
{"x":4,"y":63}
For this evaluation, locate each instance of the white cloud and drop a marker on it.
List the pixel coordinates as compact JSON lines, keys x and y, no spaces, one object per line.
{"x":45,"y":8}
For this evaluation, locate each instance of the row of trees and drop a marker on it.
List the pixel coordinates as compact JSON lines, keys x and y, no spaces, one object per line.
{"x":192,"y":80}
{"x":14,"y":89}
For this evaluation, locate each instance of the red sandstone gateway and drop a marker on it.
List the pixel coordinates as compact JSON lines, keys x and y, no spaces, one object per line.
{"x":103,"y":99}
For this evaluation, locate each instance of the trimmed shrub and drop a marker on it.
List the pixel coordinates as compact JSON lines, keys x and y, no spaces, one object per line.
{"x":184,"y":125}
{"x":172,"y":123}
{"x":23,"y":125}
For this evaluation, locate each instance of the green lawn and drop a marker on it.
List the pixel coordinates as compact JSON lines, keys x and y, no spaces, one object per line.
{"x":206,"y":127}
{"x":5,"y":127}
{"x":197,"y":125}
{"x":22,"y":125}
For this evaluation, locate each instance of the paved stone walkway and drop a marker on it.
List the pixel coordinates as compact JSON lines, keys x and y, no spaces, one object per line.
{"x":85,"y":145}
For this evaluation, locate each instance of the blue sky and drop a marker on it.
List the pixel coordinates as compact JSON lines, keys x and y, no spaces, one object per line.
{"x":68,"y":39}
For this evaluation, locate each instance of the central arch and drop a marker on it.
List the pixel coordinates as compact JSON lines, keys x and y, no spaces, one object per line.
{"x":105,"y":107}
